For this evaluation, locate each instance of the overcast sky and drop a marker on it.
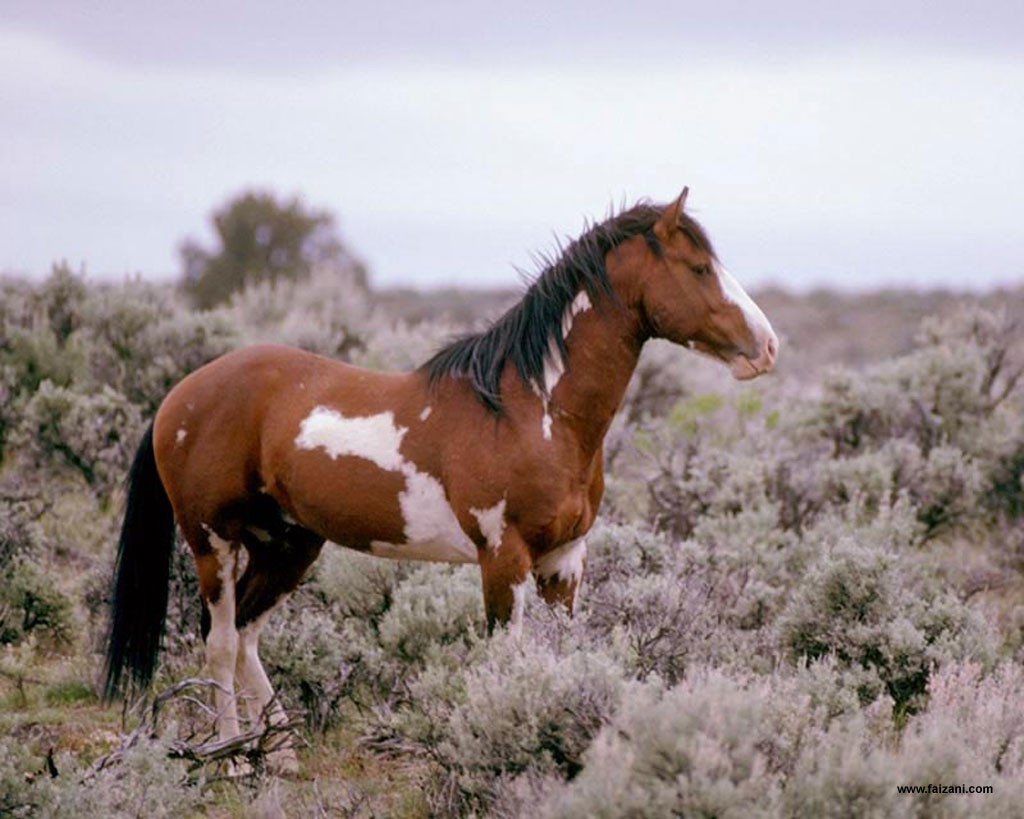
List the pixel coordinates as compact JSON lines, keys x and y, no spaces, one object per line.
{"x":854,"y":144}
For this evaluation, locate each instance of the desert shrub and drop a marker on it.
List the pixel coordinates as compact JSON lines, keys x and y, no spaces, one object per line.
{"x":37,"y":327}
{"x":1007,"y":488}
{"x":662,"y":608}
{"x":145,"y":783}
{"x":982,"y":714}
{"x":360,"y":628}
{"x":621,"y":551}
{"x":31,"y":604}
{"x":356,"y":585}
{"x":516,"y":713}
{"x":695,"y":750}
{"x":19,"y":531}
{"x":657,"y":623}
{"x":947,"y":391}
{"x":91,"y":435}
{"x":330,"y":313}
{"x":431,"y":608}
{"x":846,"y":776}
{"x":142,"y":342}
{"x":396,"y":345}
{"x":969,"y":734}
{"x":309,"y":656}
{"x":859,"y":603}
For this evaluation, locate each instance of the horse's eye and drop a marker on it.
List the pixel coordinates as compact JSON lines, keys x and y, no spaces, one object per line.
{"x":700,"y":269}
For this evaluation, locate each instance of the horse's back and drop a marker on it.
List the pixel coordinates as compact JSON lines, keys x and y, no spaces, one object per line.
{"x":227,"y":431}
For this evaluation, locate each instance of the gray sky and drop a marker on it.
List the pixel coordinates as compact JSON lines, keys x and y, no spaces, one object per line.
{"x":856,"y":144}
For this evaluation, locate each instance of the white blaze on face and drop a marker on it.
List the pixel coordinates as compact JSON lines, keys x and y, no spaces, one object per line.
{"x":425,"y":414}
{"x":733,"y":291}
{"x":554,"y":365}
{"x":492,"y":523}
{"x":179,"y":436}
{"x":432,"y":531}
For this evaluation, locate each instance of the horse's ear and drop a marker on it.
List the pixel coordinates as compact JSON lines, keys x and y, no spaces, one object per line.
{"x":668,"y":222}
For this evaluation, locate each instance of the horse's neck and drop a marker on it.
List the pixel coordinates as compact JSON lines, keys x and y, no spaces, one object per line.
{"x":603,"y":349}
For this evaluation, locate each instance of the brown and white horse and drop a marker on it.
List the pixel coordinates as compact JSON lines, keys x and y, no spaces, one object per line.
{"x":490,"y":453}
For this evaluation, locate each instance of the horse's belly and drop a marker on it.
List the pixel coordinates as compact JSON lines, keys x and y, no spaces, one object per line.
{"x":438,"y":550}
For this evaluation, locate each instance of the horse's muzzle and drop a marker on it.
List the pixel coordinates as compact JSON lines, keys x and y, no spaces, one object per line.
{"x":744,"y":368}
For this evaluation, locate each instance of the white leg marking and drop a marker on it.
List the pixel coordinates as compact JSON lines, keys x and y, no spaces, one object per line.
{"x":254,"y":685}
{"x":515,"y":622}
{"x":432,"y":531}
{"x":257,"y":693}
{"x":492,"y":523}
{"x":222,"y":641}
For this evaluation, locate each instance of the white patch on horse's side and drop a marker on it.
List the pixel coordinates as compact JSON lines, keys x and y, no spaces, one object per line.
{"x":492,"y":523}
{"x":733,"y":291}
{"x":179,"y":436}
{"x":425,"y":414}
{"x":432,"y":531}
{"x":565,"y":561}
{"x":374,"y":437}
{"x":429,"y":519}
{"x":515,"y":620}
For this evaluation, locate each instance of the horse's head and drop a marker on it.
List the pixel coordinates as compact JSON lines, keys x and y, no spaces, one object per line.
{"x":689,"y":298}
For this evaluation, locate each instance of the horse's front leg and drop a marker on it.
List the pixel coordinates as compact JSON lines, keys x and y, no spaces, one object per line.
{"x":559,"y":573}
{"x":505,"y":572}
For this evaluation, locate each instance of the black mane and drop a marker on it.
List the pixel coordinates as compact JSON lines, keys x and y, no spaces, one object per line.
{"x":523,"y":334}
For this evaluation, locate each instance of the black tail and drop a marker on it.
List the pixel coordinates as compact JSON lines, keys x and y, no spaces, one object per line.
{"x":142,"y":576}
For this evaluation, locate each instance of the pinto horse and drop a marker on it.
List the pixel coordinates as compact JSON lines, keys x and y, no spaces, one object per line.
{"x":490,"y":453}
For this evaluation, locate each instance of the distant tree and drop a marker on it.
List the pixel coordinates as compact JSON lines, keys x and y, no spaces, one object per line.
{"x":259,"y":239}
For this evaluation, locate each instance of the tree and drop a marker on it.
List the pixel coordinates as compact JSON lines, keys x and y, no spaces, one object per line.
{"x":262,"y":239}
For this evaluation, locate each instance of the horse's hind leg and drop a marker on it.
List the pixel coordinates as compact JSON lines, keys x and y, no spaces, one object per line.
{"x":216,"y":564}
{"x":275,"y":568}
